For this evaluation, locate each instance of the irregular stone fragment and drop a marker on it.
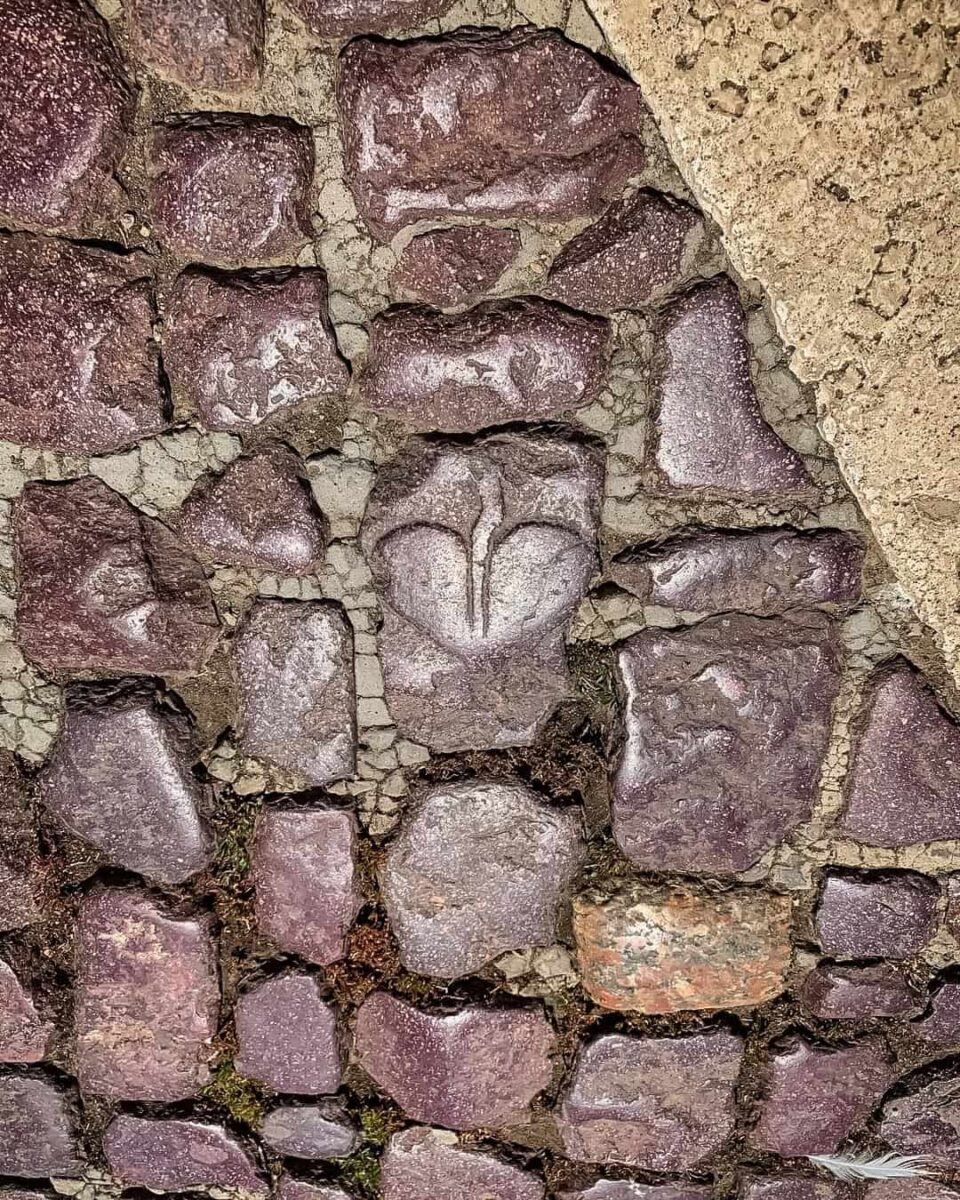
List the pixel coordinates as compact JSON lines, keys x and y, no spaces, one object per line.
{"x":296,"y":1189}
{"x":833,"y":992}
{"x":245,"y":346}
{"x":76,"y":339}
{"x":66,"y":113}
{"x":258,"y":513}
{"x":663,"y":1104}
{"x":120,"y":778}
{"x":454,"y":266}
{"x":341,"y":18}
{"x":795,"y":1187}
{"x":669,"y":951}
{"x":727,"y":723}
{"x":105,"y":588}
{"x":227,"y":188}
{"x":764,"y":572}
{"x":287,"y":1037}
{"x":425,"y":1164}
{"x":479,"y":868}
{"x":481,"y":555}
{"x":506,"y":360}
{"x":297,"y":702}
{"x":876,"y":915}
{"x":623,"y":1189}
{"x":815,"y":1097}
{"x":633,"y":254}
{"x":304,"y":871}
{"x":38,"y":1125}
{"x":942,"y":1025}
{"x":904,"y":783}
{"x":23,"y":1036}
{"x":926,"y":1121}
{"x":147,"y":999}
{"x":19,"y":850}
{"x":174,"y":1156}
{"x":211,"y":44}
{"x":563,"y":142}
{"x":711,"y":431}
{"x":310,"y":1131}
{"x":908,"y":1189}
{"x":478,"y":1067}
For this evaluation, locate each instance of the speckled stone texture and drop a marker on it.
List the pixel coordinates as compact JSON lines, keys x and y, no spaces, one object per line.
{"x":243,"y":347}
{"x":835,"y":992}
{"x":18,"y":849}
{"x":711,"y":433}
{"x":105,"y":588}
{"x":147,"y":999}
{"x":941,"y":1026}
{"x":38,"y":1124}
{"x":794,"y":1187}
{"x":663,"y":1104}
{"x":481,"y":554}
{"x":310,"y":1131}
{"x":479,"y":868}
{"x":24,"y":1037}
{"x":477,"y":1067}
{"x":287,"y":1037}
{"x":664,"y":951}
{"x":926,"y":1120}
{"x":226,"y":188}
{"x":307,"y":891}
{"x":296,"y":1189}
{"x":874,"y":915}
{"x":294,"y":665}
{"x":214,"y":45}
{"x":623,"y":1189}
{"x":341,"y":18}
{"x":564,"y":139}
{"x":904,"y":783}
{"x":425,"y":1164}
{"x":173,"y":1156}
{"x":908,"y":1189}
{"x":764,"y":573}
{"x":814,"y":1097}
{"x":57,"y":59}
{"x":727,"y":724}
{"x":447,"y":267}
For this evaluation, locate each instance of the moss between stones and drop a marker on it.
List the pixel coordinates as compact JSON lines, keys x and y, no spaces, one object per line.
{"x":241,"y":1098}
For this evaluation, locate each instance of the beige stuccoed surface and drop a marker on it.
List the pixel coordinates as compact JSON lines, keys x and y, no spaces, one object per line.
{"x":822,"y":136}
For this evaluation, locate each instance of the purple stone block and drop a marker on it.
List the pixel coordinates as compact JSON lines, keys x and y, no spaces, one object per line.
{"x":833,"y":992}
{"x":310,"y":1131}
{"x":341,"y":18}
{"x":215,"y":45}
{"x":23,"y":1036}
{"x":711,"y":431}
{"x":876,"y":915}
{"x":425,"y":1164}
{"x":19,"y":850}
{"x":287,"y":1037}
{"x":727,"y":723}
{"x":478,"y":1067}
{"x":174,"y":1156}
{"x":147,"y":999}
{"x":447,"y":267}
{"x":941,"y":1026}
{"x":38,"y":1125}
{"x":793,"y":1187}
{"x":926,"y":1121}
{"x":296,"y":1189}
{"x":623,"y":1189}
{"x":908,"y":1189}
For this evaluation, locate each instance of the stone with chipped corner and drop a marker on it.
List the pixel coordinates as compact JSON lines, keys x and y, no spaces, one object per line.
{"x":172,"y":1156}
{"x":422,"y":141}
{"x":476,"y":1067}
{"x":213,"y":45}
{"x":38,"y":1130}
{"x":925,"y":1120}
{"x":105,"y":588}
{"x":24,"y":1037}
{"x":342,"y":18}
{"x":479,"y":868}
{"x":19,"y":849}
{"x":503,"y":361}
{"x":427,"y":1164}
{"x":663,"y":1104}
{"x":147,"y":999}
{"x":941,"y":1026}
{"x":310,"y":1131}
{"x":227,"y":188}
{"x":447,"y":267}
{"x":711,"y":432}
{"x":305,"y":876}
{"x":727,"y":723}
{"x":876,"y":914}
{"x":81,"y":370}
{"x":287,"y":1037}
{"x":623,"y":1189}
{"x":481,"y":554}
{"x":672,"y":950}
{"x":833,"y":992}
{"x":297,"y":705}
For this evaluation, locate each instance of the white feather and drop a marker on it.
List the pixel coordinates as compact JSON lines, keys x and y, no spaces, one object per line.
{"x":851,"y":1167}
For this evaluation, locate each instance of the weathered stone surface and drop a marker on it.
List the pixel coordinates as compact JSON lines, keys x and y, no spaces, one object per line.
{"x":173,"y":1156}
{"x":23,"y":1035}
{"x":37,"y":1130}
{"x":795,"y":1187}
{"x":632,"y":255}
{"x":908,"y":1189}
{"x":833,"y":992}
{"x":226,"y":188}
{"x":454,"y":266}
{"x":942,"y":1025}
{"x":307,"y":891}
{"x":19,"y":849}
{"x":479,"y":868}
{"x":727,"y":723}
{"x":668,"y":951}
{"x":297,"y":706}
{"x":104,"y":588}
{"x":663,"y":1104}
{"x":764,"y":573}
{"x":711,"y":431}
{"x":147,"y":999}
{"x":120,"y":778}
{"x":814,"y":1097}
{"x":310,"y":1131}
{"x":904,"y":783}
{"x":66,"y":111}
{"x":341,"y":18}
{"x":876,"y":915}
{"x":211,"y":44}
{"x":296,"y":1189}
{"x":926,"y":1120}
{"x":623,"y":1189}
{"x":477,"y":1067}
{"x":76,"y":339}
{"x":258,"y":513}
{"x":481,"y":555}
{"x":506,"y":360}
{"x":287,"y":1037}
{"x":242,"y":347}
{"x":425,"y":1164}
{"x":564,"y":140}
